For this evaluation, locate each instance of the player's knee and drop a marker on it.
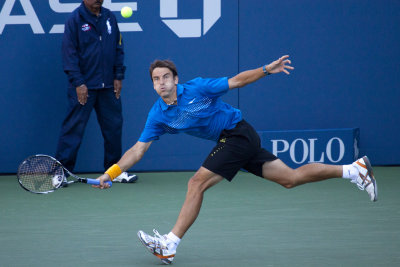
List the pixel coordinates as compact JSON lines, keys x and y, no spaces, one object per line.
{"x":197,"y":183}
{"x":194,"y":184}
{"x":288,"y":184}
{"x":293,"y":180}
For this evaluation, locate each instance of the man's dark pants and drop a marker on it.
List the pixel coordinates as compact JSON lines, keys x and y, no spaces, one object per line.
{"x":109,"y":115}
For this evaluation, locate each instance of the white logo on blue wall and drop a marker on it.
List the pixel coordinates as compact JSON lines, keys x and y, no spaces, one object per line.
{"x":30,"y":17}
{"x":308,"y":147}
{"x":186,"y":28}
{"x":183,"y":28}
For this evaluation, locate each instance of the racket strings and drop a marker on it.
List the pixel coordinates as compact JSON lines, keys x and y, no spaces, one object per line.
{"x":36,"y":174}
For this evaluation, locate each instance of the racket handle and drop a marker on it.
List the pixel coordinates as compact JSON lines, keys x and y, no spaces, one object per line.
{"x":97,"y":182}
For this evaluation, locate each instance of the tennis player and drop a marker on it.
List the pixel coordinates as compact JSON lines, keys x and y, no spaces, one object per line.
{"x":195,"y":108}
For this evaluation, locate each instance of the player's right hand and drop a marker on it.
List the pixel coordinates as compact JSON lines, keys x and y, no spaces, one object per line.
{"x":103,"y":179}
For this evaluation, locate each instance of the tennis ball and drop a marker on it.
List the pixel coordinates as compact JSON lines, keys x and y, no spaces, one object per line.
{"x":126,"y":11}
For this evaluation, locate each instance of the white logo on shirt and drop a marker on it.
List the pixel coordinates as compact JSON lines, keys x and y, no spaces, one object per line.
{"x":108,"y":26}
{"x":192,"y":101}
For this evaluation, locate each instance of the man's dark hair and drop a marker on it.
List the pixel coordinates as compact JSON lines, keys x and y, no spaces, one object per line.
{"x":163,"y":64}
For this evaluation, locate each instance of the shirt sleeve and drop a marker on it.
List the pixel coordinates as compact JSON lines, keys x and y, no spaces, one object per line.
{"x":211,"y":87}
{"x":152,"y":130}
{"x":70,"y":54}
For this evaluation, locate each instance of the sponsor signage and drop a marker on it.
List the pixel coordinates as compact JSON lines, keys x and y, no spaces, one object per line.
{"x":296,"y":148}
{"x":183,"y":28}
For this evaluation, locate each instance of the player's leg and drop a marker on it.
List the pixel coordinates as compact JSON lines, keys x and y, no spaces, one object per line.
{"x":279,"y":172}
{"x":360,"y":173}
{"x":164,"y":247}
{"x":264,"y":164}
{"x":197,"y":185}
{"x":268,"y":166}
{"x":229,"y":155}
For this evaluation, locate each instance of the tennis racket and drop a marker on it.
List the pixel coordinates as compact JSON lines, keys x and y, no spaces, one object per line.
{"x":42,"y":174}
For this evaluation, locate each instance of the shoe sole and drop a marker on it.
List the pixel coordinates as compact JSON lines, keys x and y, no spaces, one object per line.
{"x":163,"y":260}
{"x":371,"y":174}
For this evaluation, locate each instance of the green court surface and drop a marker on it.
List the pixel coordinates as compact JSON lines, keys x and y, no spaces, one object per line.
{"x":249,"y":222}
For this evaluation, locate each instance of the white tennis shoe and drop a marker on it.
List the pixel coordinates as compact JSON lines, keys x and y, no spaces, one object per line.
{"x":158,"y":246}
{"x":365,"y":179}
{"x":125,"y":178}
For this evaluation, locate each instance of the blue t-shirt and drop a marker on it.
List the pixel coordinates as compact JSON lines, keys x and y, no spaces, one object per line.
{"x":200,"y":112}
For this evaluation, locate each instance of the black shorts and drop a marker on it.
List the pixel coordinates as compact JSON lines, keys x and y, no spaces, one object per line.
{"x":238,"y":148}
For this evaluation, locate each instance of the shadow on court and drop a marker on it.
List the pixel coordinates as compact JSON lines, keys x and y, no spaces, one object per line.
{"x":247,"y":222}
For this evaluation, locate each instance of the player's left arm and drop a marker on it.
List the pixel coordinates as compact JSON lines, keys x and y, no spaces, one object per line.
{"x":249,"y":76}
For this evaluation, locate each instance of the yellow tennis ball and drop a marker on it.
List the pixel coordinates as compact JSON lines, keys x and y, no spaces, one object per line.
{"x":126,"y":11}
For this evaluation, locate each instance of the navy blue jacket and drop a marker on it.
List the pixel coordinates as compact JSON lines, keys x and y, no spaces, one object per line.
{"x":92,"y":49}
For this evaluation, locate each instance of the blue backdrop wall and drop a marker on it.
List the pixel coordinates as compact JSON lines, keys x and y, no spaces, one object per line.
{"x":345,"y":52}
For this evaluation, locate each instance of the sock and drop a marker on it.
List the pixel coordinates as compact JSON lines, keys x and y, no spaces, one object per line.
{"x":174,"y":241}
{"x":350,"y":172}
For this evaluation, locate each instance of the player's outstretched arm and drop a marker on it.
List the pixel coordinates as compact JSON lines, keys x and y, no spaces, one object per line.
{"x":133,"y":155}
{"x":130,"y":158}
{"x":249,"y":76}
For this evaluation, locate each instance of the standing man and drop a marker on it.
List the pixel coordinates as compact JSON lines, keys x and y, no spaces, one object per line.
{"x":93,"y":59}
{"x":195,"y":108}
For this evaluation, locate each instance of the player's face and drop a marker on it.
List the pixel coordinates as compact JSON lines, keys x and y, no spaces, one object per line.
{"x":165,"y":83}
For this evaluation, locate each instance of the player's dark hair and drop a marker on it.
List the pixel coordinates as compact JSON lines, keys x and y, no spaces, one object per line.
{"x":163,"y":64}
